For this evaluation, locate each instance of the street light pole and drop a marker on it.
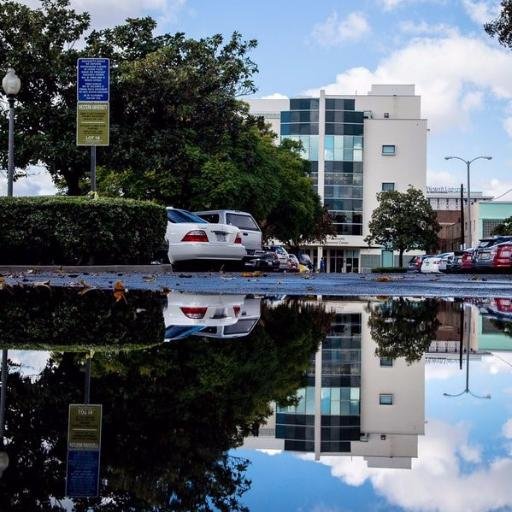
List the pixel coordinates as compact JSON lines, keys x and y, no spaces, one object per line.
{"x":11,"y":85}
{"x":468,"y":167}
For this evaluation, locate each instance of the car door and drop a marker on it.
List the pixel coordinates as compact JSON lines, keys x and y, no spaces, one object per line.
{"x":251,"y":233}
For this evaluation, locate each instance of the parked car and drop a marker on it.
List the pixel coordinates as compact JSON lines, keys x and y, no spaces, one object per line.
{"x":466,"y":260}
{"x":482,"y":257}
{"x":451,"y":262}
{"x":431,"y":264}
{"x":293,"y":263}
{"x":251,"y":232}
{"x":415,"y":262}
{"x":192,"y":238}
{"x":282,"y":254}
{"x":305,"y":260}
{"x":263,"y":260}
{"x":492,"y":253}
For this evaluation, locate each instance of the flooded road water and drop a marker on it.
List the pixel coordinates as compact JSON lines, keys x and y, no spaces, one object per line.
{"x":247,"y":402}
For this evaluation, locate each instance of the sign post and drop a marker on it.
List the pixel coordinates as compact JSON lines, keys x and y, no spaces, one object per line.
{"x":92,"y":113}
{"x":84,"y":446}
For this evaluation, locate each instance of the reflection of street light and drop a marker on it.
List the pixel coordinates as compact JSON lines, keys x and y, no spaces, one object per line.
{"x":4,"y":458}
{"x":11,"y":85}
{"x":468,"y":165}
{"x":466,"y":389}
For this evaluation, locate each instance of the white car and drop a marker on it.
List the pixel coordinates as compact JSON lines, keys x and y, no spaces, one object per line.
{"x":431,"y":264}
{"x":192,"y":238}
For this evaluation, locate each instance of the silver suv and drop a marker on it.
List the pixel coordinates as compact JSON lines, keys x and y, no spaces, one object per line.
{"x":251,"y":233}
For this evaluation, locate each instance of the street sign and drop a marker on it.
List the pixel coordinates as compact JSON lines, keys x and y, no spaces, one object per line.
{"x":93,"y":79}
{"x":84,"y":446}
{"x":92,"y":124}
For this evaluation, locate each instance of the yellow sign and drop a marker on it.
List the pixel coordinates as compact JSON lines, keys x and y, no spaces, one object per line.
{"x":92,"y":124}
{"x":84,"y":427}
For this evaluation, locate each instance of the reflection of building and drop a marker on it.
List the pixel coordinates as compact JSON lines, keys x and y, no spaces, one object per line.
{"x":487,"y":323}
{"x":358,"y":146}
{"x":355,"y":403}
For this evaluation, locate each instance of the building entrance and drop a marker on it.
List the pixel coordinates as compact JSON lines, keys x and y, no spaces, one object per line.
{"x":342,"y":260}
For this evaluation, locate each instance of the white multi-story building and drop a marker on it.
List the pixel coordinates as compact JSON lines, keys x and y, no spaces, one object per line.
{"x":448,"y":198}
{"x":358,"y":145}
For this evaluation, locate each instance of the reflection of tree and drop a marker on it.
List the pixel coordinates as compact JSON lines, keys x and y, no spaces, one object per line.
{"x":403,"y":327}
{"x":171,"y":414}
{"x":67,"y":319}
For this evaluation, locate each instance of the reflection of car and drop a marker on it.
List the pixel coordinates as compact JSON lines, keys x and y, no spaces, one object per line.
{"x":431,"y":264}
{"x":263,"y":260}
{"x":217,"y":316}
{"x":282,"y":254}
{"x":248,"y":227}
{"x":497,"y":257}
{"x":293,"y":263}
{"x":483,"y":253}
{"x":497,"y":308}
{"x":249,"y":317}
{"x":450,"y":262}
{"x":192,"y":238}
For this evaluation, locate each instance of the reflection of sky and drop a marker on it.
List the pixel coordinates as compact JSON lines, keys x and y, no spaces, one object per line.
{"x":463,"y":462}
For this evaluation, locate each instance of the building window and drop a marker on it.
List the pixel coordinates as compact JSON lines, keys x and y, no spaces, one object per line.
{"x":388,"y":187}
{"x":488,"y":226}
{"x":385,"y":399}
{"x":389,"y":150}
{"x":386,"y":361}
{"x":386,"y":115}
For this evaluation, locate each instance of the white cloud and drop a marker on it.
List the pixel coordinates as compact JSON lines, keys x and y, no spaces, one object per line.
{"x":441,"y":179}
{"x":496,"y":188}
{"x":108,"y":12}
{"x":268,"y":451}
{"x":336,"y":31}
{"x":507,"y":429}
{"x":275,"y":96}
{"x":31,"y":362}
{"x":443,"y":69}
{"x":389,"y":5}
{"x":439,"y":466}
{"x":423,"y":28}
{"x":37,"y":183}
{"x":507,"y":124}
{"x":481,"y":11}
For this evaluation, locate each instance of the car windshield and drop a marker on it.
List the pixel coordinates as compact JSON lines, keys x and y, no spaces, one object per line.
{"x":242,"y":221}
{"x":486,"y":243}
{"x":183,"y":217}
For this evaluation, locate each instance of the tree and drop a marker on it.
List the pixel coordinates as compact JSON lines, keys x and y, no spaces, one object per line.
{"x":505,"y":228}
{"x":180,"y":135}
{"x":403,"y":221}
{"x":501,"y":27}
{"x":404,"y":327}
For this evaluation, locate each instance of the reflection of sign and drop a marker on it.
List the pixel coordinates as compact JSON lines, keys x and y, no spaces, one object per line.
{"x":92,"y":124}
{"x":84,"y":445}
{"x":93,"y":81}
{"x":82,"y":474}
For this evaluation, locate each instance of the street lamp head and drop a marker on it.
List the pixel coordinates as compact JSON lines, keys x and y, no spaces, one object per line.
{"x":448,"y":157}
{"x":488,"y":157}
{"x":11,"y":83}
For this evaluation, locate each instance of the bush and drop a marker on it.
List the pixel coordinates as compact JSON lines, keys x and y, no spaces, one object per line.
{"x":79,"y":230}
{"x":389,"y":270}
{"x":66,"y":319}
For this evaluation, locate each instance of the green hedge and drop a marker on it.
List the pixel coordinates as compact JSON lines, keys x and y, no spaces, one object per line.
{"x":62,"y":319}
{"x":79,"y":230}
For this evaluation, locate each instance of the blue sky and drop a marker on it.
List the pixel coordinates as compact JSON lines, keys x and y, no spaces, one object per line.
{"x":464,"y":77}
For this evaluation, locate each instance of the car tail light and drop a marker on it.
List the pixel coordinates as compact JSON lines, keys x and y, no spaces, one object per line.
{"x":236,"y":310}
{"x":505,"y":252}
{"x":238,"y":239}
{"x":194,"y":313}
{"x":198,"y":235}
